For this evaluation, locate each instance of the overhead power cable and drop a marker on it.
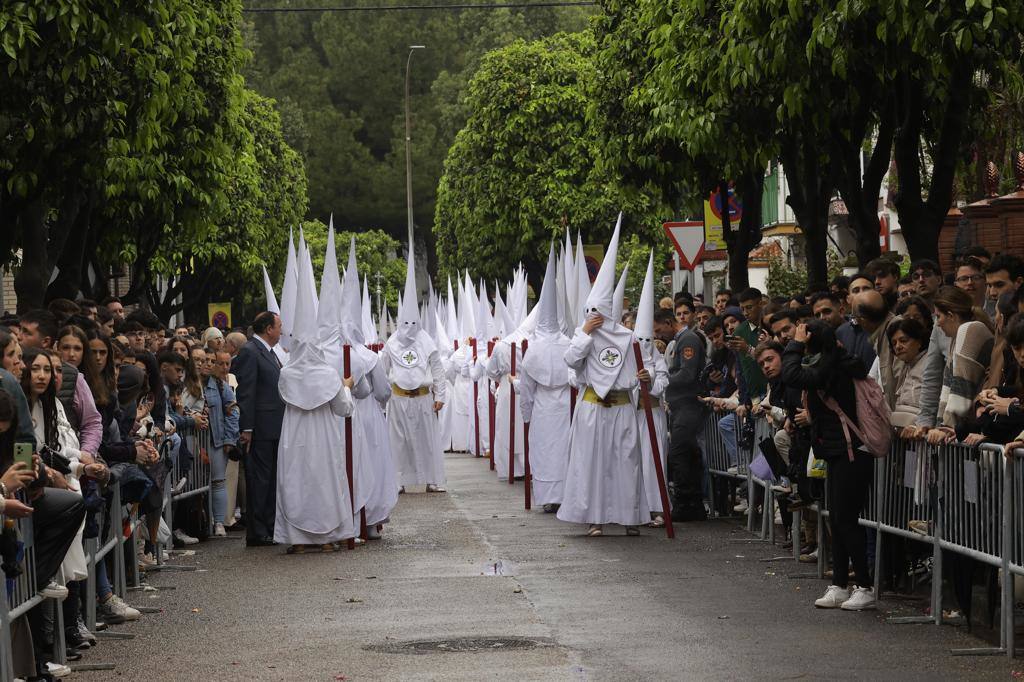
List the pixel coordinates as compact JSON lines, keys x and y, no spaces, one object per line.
{"x":414,"y":8}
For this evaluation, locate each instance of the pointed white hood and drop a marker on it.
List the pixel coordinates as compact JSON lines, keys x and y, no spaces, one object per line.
{"x":644,"y":327}
{"x":452,"y":323}
{"x":569,"y":279}
{"x":544,"y":360}
{"x":288,"y":292}
{"x":366,"y":309}
{"x":329,"y":313}
{"x":307,"y":271}
{"x":269,"y":289}
{"x":409,"y":324}
{"x":361,"y":358}
{"x":602,"y":292}
{"x":619,"y":297}
{"x":308,"y":380}
{"x":467,"y":310}
{"x":582,"y":281}
{"x":483,"y":317}
{"x":611,"y":341}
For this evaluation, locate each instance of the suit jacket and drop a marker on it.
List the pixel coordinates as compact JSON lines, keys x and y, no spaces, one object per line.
{"x":259,"y":399}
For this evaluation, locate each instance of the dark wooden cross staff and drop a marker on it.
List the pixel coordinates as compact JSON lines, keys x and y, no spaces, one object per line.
{"x":645,"y":395}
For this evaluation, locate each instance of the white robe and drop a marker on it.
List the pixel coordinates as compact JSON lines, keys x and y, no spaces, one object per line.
{"x":660,"y":374}
{"x":313,"y":502}
{"x":547,"y":410}
{"x":604,"y":480}
{"x":445,"y":416}
{"x":498,"y":367}
{"x":412,"y":424}
{"x":376,"y":440}
{"x":461,"y":401}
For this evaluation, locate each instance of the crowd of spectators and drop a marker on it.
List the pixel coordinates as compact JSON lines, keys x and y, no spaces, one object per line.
{"x":93,"y":397}
{"x":945,"y":349}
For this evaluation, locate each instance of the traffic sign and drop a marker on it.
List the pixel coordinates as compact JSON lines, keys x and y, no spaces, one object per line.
{"x":688,"y":239}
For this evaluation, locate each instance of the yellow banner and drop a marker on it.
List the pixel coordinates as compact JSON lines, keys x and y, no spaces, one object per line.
{"x":220,"y":315}
{"x":714,"y":240}
{"x":594,"y":254}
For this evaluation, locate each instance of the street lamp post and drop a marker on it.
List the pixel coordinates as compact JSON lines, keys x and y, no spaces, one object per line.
{"x":408,"y":141}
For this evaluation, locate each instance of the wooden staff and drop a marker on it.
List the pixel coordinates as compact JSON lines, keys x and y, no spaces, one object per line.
{"x":645,"y":394}
{"x":526,"y":451}
{"x":490,"y":412}
{"x":476,"y":398}
{"x":572,"y":403}
{"x":346,"y":349}
{"x":512,"y":419}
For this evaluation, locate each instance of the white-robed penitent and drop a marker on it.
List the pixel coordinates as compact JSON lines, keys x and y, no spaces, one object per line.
{"x":414,"y":370}
{"x":604,"y":480}
{"x":655,"y":364}
{"x":371,"y":440}
{"x":544,"y":396}
{"x":313,"y":502}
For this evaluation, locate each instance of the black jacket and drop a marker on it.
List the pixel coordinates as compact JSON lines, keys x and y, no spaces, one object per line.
{"x":260,"y":406}
{"x":833,"y":375}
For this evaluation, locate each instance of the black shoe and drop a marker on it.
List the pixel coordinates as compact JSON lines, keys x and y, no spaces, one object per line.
{"x":73,"y":654}
{"x":263,"y":541}
{"x":74,"y":640}
{"x":685,"y":514}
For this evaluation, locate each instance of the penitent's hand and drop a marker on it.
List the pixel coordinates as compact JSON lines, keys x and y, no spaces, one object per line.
{"x":593,"y":322}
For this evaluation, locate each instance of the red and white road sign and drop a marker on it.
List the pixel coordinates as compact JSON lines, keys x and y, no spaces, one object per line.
{"x":688,"y":239}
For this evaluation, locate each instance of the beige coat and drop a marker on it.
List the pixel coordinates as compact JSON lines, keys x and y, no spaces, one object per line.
{"x":908,"y":390}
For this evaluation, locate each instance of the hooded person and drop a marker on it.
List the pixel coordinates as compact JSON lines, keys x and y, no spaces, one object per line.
{"x":477,"y":372}
{"x":543,"y":386}
{"x":331,"y":316}
{"x":499,"y":372}
{"x":604,"y":481}
{"x":371,"y":440}
{"x":413,"y":368}
{"x":654,"y":362}
{"x":453,"y":428}
{"x":366,"y":315}
{"x":313,"y":503}
{"x":463,"y":415}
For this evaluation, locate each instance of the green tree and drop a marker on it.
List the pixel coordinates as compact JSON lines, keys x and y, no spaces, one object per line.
{"x":527,"y":164}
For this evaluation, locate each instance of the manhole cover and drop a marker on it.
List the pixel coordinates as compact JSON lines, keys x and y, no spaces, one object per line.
{"x":460,"y":645}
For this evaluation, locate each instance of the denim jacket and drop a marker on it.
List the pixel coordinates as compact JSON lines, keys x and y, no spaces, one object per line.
{"x":223,"y":427}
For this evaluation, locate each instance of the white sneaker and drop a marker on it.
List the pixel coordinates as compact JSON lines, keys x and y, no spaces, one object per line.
{"x":833,"y":598}
{"x":372,"y":533}
{"x":179,"y":487}
{"x":861,"y":599}
{"x":733,"y":470}
{"x":184,"y":538}
{"x":218,"y":530}
{"x":57,"y":670}
{"x":54,"y":591}
{"x":741,"y":507}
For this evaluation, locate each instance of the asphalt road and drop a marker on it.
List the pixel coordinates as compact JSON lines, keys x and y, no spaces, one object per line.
{"x":472,"y":564}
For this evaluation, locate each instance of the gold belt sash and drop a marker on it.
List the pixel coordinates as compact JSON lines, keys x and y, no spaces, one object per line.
{"x":415,"y":393}
{"x":613,"y":399}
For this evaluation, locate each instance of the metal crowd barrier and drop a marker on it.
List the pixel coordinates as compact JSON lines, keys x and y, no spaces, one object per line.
{"x":19,"y":598}
{"x":197,"y":481}
{"x":721,"y":464}
{"x":967,"y":500}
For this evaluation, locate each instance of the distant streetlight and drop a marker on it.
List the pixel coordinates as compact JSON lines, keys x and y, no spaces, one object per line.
{"x":408,"y":140}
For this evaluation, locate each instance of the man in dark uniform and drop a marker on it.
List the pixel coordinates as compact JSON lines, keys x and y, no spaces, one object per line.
{"x":687,"y":414}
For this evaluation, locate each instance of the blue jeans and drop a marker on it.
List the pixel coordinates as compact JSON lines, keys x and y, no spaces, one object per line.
{"x":727,"y":427}
{"x":218,"y":475}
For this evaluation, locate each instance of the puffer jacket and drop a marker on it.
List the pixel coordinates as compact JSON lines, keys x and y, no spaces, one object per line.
{"x":908,"y":391}
{"x":833,"y":375}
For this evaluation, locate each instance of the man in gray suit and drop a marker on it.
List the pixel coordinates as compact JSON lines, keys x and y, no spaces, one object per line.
{"x":257,"y":369}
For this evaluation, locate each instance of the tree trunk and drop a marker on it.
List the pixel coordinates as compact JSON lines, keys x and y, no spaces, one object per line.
{"x":860,"y":189}
{"x":34,"y":274}
{"x":921,"y":219}
{"x":811,"y":181}
{"x":739,"y":240}
{"x":70,"y":279}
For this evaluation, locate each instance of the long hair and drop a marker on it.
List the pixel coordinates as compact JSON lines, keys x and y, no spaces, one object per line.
{"x":8,"y":413}
{"x":156,"y":384}
{"x":193,"y":381}
{"x":107,"y":375}
{"x":48,"y":398}
{"x":87,"y":366}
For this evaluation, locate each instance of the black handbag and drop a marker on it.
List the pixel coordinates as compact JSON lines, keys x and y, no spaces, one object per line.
{"x":55,"y":460}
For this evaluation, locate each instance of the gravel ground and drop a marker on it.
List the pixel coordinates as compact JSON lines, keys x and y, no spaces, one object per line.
{"x":472,"y":564}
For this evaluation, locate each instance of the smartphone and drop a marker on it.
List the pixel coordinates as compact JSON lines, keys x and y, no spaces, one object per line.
{"x":23,"y":453}
{"x":730,"y":337}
